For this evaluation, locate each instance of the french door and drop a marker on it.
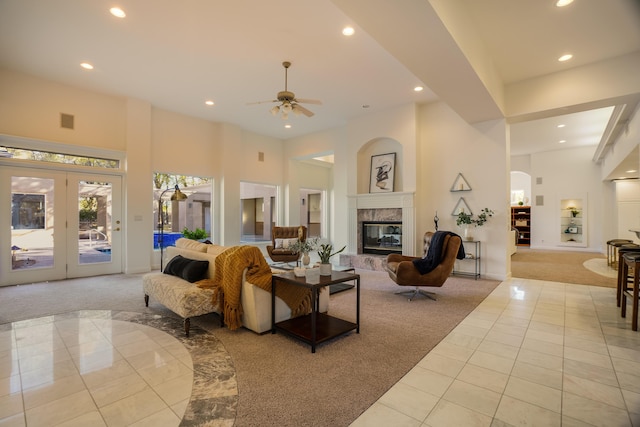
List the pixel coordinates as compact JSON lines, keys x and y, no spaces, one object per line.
{"x":61,"y":225}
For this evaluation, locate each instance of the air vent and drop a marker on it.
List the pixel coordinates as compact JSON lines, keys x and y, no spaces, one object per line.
{"x":66,"y":121}
{"x":260,"y":156}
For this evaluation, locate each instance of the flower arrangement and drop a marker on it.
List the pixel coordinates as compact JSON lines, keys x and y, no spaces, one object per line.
{"x":574,"y":211}
{"x":324,"y":252}
{"x":481,"y":218}
{"x":305,"y":246}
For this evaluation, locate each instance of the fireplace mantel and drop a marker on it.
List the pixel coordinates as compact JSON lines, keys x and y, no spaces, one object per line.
{"x":403,"y":200}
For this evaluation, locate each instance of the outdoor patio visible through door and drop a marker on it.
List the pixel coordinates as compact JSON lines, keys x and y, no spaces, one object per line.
{"x":62,"y":225}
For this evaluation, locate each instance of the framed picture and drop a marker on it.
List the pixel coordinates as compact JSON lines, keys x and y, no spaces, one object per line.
{"x":383,"y":167}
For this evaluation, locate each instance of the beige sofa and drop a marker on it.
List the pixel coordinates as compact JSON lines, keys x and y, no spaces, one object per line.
{"x":188,"y":300}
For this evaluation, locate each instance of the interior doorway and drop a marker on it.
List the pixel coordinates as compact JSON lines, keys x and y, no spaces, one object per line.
{"x":258,"y":213}
{"x":311,"y":211}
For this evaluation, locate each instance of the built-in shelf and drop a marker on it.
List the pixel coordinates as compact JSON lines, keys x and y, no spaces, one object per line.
{"x":573,"y":222}
{"x":521,"y":220}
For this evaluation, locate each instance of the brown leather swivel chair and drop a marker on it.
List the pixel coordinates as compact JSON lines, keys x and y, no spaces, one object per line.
{"x":402,"y":270}
{"x":281,"y":254}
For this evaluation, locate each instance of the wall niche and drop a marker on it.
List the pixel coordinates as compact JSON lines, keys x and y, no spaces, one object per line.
{"x":376,"y":147}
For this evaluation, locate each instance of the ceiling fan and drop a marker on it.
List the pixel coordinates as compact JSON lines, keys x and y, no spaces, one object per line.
{"x":288,"y":101}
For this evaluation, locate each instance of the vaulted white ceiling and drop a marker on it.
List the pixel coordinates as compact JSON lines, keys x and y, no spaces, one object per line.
{"x":177,"y":55}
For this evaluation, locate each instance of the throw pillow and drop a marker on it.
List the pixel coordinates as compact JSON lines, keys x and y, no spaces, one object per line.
{"x":190,"y":270}
{"x":288,"y":242}
{"x":279,"y":243}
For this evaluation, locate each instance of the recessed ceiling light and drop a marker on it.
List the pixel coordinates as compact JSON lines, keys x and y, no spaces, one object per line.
{"x":117,"y":12}
{"x":86,"y":66}
{"x":209,"y":102}
{"x":287,"y":126}
{"x":562,"y":3}
{"x":561,"y":126}
{"x":562,"y":141}
{"x":631,"y":171}
{"x":348,"y":31}
{"x":565,"y":57}
{"x":418,"y":88}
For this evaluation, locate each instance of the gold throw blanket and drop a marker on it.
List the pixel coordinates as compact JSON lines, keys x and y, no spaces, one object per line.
{"x":227,"y":283}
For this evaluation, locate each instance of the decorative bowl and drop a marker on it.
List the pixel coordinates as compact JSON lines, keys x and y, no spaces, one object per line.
{"x":299,"y":271}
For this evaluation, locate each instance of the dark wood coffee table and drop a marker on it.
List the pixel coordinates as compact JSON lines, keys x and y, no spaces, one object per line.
{"x":316,"y":327}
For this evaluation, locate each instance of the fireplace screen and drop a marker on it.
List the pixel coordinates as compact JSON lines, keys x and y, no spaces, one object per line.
{"x":382,"y":237}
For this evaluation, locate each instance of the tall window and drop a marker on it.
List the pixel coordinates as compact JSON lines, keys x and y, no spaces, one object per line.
{"x":173,"y":217}
{"x":52,"y":157}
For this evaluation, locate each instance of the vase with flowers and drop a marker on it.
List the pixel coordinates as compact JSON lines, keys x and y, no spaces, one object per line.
{"x":468,"y":222}
{"x":304,"y":247}
{"x":574,"y":211}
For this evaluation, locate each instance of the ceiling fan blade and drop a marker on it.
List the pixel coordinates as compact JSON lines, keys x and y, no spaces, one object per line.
{"x":261,"y":102}
{"x":308,"y":101}
{"x":302,"y":110}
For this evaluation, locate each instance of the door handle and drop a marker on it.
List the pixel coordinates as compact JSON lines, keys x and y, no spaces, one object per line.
{"x":118,"y":229}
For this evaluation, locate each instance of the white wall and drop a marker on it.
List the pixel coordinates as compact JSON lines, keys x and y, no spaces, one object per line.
{"x":183,"y":145}
{"x":521,"y":163}
{"x":139,"y":221}
{"x":628,"y":209}
{"x":448,"y":146}
{"x":628,"y":140}
{"x":31,"y":107}
{"x":565,"y":174}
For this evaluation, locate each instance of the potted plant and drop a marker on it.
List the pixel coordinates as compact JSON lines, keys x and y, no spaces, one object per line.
{"x":197,"y":234}
{"x":324,"y":252}
{"x":574,"y":211}
{"x":466,"y":220}
{"x":304,"y":247}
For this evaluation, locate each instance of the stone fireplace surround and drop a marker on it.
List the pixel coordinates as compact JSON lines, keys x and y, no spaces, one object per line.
{"x":397,"y":206}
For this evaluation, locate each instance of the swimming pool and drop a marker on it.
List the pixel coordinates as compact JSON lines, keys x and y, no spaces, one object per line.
{"x":169,"y":239}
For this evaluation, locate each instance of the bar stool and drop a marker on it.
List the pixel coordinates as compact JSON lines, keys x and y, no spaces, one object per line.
{"x":622,"y":280}
{"x":631,"y":259}
{"x":612,"y":245}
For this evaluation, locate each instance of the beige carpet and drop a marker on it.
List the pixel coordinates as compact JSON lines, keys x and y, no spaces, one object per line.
{"x":280,"y":382}
{"x":560,"y":266}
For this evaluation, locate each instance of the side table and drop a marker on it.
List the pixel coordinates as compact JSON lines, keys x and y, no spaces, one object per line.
{"x":315,"y":327}
{"x":473,"y":250}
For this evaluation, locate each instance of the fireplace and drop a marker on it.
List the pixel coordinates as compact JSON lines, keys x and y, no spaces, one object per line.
{"x":382,"y":237}
{"x":395,"y":209}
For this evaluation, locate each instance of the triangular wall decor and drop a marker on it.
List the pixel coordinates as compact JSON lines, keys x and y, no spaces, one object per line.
{"x":461,"y":206}
{"x":460,"y":184}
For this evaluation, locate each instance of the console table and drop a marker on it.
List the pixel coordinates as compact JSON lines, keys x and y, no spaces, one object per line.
{"x":315,"y":327}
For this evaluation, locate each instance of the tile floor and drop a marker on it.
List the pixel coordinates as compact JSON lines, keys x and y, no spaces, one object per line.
{"x":101,"y":368}
{"x":533,"y":353}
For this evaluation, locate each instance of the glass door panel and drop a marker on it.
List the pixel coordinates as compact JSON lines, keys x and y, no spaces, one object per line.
{"x":60,"y":225}
{"x":35,"y":227}
{"x":32,"y":222}
{"x":94,"y":227}
{"x":94,"y":220}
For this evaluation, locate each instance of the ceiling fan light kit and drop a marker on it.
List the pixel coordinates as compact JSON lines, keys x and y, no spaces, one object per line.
{"x":288,"y":101}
